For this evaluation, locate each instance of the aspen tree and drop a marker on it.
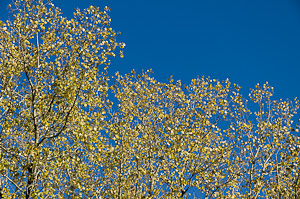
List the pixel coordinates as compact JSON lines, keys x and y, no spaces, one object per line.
{"x":52,"y":90}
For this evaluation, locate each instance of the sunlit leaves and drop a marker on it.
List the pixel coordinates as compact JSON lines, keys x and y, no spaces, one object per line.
{"x":172,"y":136}
{"x":168,"y":140}
{"x":52,"y":97}
{"x":268,"y":151}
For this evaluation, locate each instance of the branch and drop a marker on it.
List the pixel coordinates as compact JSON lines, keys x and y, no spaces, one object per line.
{"x":64,"y":126}
{"x":12,"y":182}
{"x":11,"y":153}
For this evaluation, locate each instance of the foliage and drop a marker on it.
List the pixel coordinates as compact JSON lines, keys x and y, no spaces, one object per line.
{"x":169,"y":141}
{"x":52,"y":97}
{"x":64,"y":136}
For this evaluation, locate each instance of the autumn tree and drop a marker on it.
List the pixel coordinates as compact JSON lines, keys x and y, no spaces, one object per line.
{"x":70,"y":130}
{"x":200,"y":140}
{"x":268,"y":149}
{"x":52,"y":95}
{"x":170,"y":140}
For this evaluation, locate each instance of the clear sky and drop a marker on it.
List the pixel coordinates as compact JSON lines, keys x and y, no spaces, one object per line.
{"x":249,"y":41}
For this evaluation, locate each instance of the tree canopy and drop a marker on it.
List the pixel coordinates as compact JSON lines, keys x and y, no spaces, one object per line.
{"x":69,"y":129}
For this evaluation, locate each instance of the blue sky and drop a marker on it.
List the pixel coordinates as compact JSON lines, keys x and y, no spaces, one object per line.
{"x":246,"y":41}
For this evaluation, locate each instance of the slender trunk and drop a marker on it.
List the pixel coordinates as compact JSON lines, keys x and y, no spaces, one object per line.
{"x":1,"y":194}
{"x":29,"y":180}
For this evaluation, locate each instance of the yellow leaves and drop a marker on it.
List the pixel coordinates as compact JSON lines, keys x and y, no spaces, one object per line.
{"x":122,"y":45}
{"x":106,"y":8}
{"x":4,"y":28}
{"x":121,"y":54}
{"x":46,"y":97}
{"x":261,"y":93}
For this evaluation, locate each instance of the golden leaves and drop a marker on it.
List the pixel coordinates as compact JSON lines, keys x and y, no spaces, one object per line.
{"x":51,"y":91}
{"x":171,"y":121}
{"x":183,"y":131}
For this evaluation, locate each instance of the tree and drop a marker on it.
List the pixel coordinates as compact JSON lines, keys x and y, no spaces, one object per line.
{"x":69,"y":132}
{"x":172,"y":140}
{"x":52,"y":97}
{"x":269,"y":153}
